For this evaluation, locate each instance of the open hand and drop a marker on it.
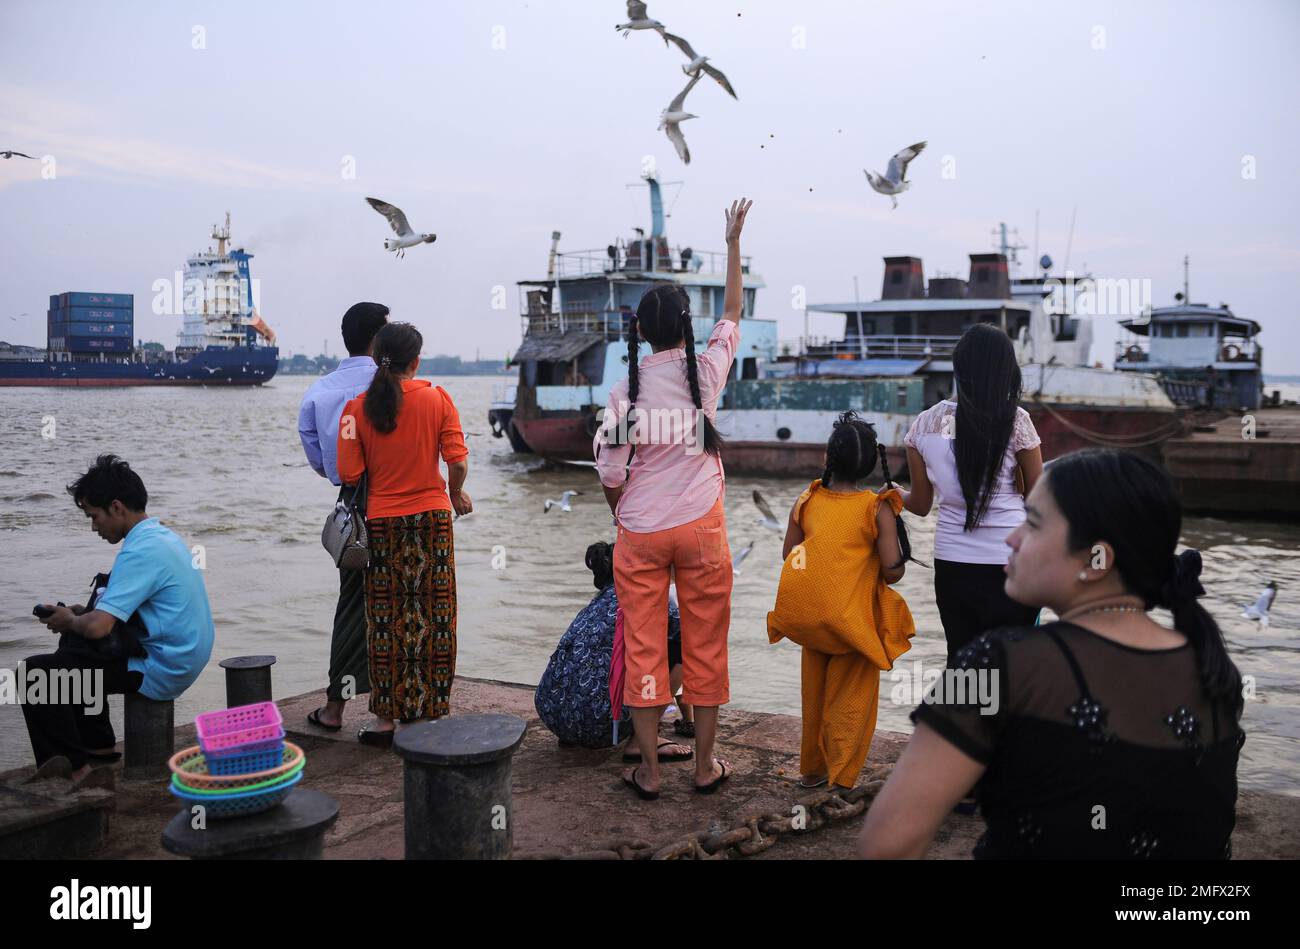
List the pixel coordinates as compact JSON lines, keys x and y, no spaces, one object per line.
{"x":736,"y":219}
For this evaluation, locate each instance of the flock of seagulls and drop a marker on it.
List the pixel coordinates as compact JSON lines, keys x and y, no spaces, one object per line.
{"x":671,"y":118}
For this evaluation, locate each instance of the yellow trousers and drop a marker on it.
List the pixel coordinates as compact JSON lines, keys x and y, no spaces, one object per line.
{"x":840,"y":698}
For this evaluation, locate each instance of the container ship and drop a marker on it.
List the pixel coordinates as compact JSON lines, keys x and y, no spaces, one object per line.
{"x":90,"y":337}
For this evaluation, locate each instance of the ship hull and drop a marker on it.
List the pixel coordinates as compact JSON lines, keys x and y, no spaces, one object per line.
{"x":1067,"y":428}
{"x":211,"y":367}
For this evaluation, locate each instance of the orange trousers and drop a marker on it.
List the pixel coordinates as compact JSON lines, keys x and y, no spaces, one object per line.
{"x":644,"y":564}
{"x":840,"y":698}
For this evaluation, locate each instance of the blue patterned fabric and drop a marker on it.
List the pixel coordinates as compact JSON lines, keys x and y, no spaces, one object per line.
{"x":573,"y":695}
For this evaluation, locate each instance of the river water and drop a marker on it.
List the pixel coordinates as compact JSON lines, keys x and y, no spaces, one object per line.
{"x":222,"y":469}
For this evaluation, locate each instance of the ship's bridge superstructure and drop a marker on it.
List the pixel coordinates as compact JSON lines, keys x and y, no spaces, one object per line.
{"x":575,"y":321}
{"x":218,"y":299}
{"x":1209,"y":350}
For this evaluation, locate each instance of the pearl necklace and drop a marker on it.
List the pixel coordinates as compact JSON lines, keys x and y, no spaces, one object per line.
{"x":1104,"y":609}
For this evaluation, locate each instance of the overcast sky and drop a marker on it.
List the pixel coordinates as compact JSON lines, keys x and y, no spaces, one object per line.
{"x":1171,"y":128}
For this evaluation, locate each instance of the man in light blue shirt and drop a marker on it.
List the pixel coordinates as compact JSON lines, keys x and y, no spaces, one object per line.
{"x":156,"y":589}
{"x":318,"y":428}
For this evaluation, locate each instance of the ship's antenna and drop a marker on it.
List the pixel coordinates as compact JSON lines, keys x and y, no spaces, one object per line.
{"x":1005,"y":247}
{"x":1187,"y":293}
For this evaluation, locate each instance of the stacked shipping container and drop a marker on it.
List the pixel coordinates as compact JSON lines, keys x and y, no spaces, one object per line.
{"x":92,"y":323}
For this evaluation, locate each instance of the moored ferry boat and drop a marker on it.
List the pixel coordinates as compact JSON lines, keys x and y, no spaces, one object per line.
{"x":910,"y":333}
{"x":574,"y":350}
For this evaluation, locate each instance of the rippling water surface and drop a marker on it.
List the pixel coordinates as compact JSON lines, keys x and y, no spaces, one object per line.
{"x":215,"y":462}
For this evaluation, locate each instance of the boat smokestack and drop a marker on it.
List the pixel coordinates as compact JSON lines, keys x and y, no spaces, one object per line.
{"x":550,"y":261}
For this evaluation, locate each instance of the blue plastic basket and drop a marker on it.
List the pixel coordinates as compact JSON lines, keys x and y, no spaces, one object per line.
{"x":266,"y":756}
{"x":243,"y":804}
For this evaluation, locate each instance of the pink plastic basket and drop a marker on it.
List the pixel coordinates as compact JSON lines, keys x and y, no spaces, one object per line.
{"x":241,"y":730}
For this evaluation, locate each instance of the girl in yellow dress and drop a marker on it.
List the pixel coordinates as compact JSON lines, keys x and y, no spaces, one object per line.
{"x":841,"y":554}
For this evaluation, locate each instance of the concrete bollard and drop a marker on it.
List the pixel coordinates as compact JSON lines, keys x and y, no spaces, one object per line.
{"x":292,"y":830}
{"x":150,"y":738}
{"x":456,"y":786}
{"x":248,"y":679}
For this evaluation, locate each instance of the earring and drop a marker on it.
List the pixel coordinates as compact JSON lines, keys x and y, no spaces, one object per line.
{"x":1083,"y":574}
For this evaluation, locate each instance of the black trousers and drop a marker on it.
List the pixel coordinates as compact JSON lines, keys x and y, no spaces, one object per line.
{"x":971,"y":601}
{"x":349,"y":674}
{"x":72,"y":729}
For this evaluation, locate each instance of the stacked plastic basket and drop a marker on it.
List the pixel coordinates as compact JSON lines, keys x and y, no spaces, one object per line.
{"x":242,"y":765}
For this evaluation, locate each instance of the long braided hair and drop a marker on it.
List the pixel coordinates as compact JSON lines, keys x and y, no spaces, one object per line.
{"x":663,"y":319}
{"x":851,"y":450}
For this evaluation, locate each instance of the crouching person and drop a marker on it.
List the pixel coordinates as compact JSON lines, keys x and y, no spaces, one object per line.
{"x":147,"y":630}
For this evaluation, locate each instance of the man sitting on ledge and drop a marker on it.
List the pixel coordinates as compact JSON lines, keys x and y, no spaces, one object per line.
{"x":150,"y":631}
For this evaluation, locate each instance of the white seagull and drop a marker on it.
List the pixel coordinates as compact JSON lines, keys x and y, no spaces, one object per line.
{"x":738,"y":558}
{"x":11,"y":154}
{"x":698,"y":62}
{"x":397,"y":221}
{"x":1259,"y":609}
{"x":671,"y":118}
{"x":637,"y":20}
{"x":894,"y":181}
{"x":768,"y":519}
{"x":563,"y":503}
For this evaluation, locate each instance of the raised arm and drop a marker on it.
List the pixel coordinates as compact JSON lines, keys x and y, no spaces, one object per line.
{"x":734,"y":301}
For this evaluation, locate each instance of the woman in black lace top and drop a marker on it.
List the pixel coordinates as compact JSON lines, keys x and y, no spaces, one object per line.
{"x":1103,"y":735}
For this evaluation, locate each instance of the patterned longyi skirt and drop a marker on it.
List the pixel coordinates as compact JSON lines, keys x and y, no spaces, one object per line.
{"x":411,"y":615}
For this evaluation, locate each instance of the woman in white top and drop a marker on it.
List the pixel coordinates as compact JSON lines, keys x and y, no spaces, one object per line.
{"x":980,"y":456}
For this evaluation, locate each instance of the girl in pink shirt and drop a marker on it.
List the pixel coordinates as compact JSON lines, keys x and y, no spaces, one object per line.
{"x":668,"y":504}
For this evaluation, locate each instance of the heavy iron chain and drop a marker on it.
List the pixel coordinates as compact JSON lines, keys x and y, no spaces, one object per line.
{"x":753,"y":834}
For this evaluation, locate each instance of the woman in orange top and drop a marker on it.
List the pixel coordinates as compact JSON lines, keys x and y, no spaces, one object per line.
{"x":841,"y":554}
{"x":394,"y":434}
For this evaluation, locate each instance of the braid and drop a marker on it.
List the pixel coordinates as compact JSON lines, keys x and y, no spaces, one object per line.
{"x":692,"y":374}
{"x":832,"y":453}
{"x":632,"y":345}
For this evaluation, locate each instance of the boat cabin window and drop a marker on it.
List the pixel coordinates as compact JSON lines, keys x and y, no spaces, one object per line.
{"x":749,"y":368}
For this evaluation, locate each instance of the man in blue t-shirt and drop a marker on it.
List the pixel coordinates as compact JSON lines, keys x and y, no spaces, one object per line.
{"x":148,"y":631}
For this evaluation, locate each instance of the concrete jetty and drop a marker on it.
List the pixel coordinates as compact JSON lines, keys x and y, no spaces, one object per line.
{"x":1244,"y":464}
{"x":568,"y":800}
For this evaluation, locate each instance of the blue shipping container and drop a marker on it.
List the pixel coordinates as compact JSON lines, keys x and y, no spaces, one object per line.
{"x":95,"y":344}
{"x":83,"y":330}
{"x":92,"y":314}
{"x":114,"y":301}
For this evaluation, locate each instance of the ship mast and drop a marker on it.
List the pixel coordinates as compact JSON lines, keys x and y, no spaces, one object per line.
{"x":221,"y":235}
{"x":1187,"y":293}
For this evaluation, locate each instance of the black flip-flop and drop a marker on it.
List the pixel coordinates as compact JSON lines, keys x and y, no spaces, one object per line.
{"x":816,"y":784}
{"x":716,"y":782}
{"x":314,"y":719}
{"x":663,"y":743}
{"x":113,"y":757}
{"x":641,"y":792}
{"x":377,"y":739}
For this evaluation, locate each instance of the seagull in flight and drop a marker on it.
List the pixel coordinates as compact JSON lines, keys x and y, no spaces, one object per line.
{"x":894,"y":181}
{"x":397,"y":221}
{"x":739,"y":557}
{"x":672,"y":117}
{"x":11,"y":154}
{"x":637,"y":20}
{"x":768,"y":519}
{"x":562,"y":504}
{"x":1259,"y":609}
{"x":698,"y":62}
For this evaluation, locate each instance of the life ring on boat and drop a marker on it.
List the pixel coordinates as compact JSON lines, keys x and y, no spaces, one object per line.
{"x":1231,"y":353}
{"x":1134,"y":353}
